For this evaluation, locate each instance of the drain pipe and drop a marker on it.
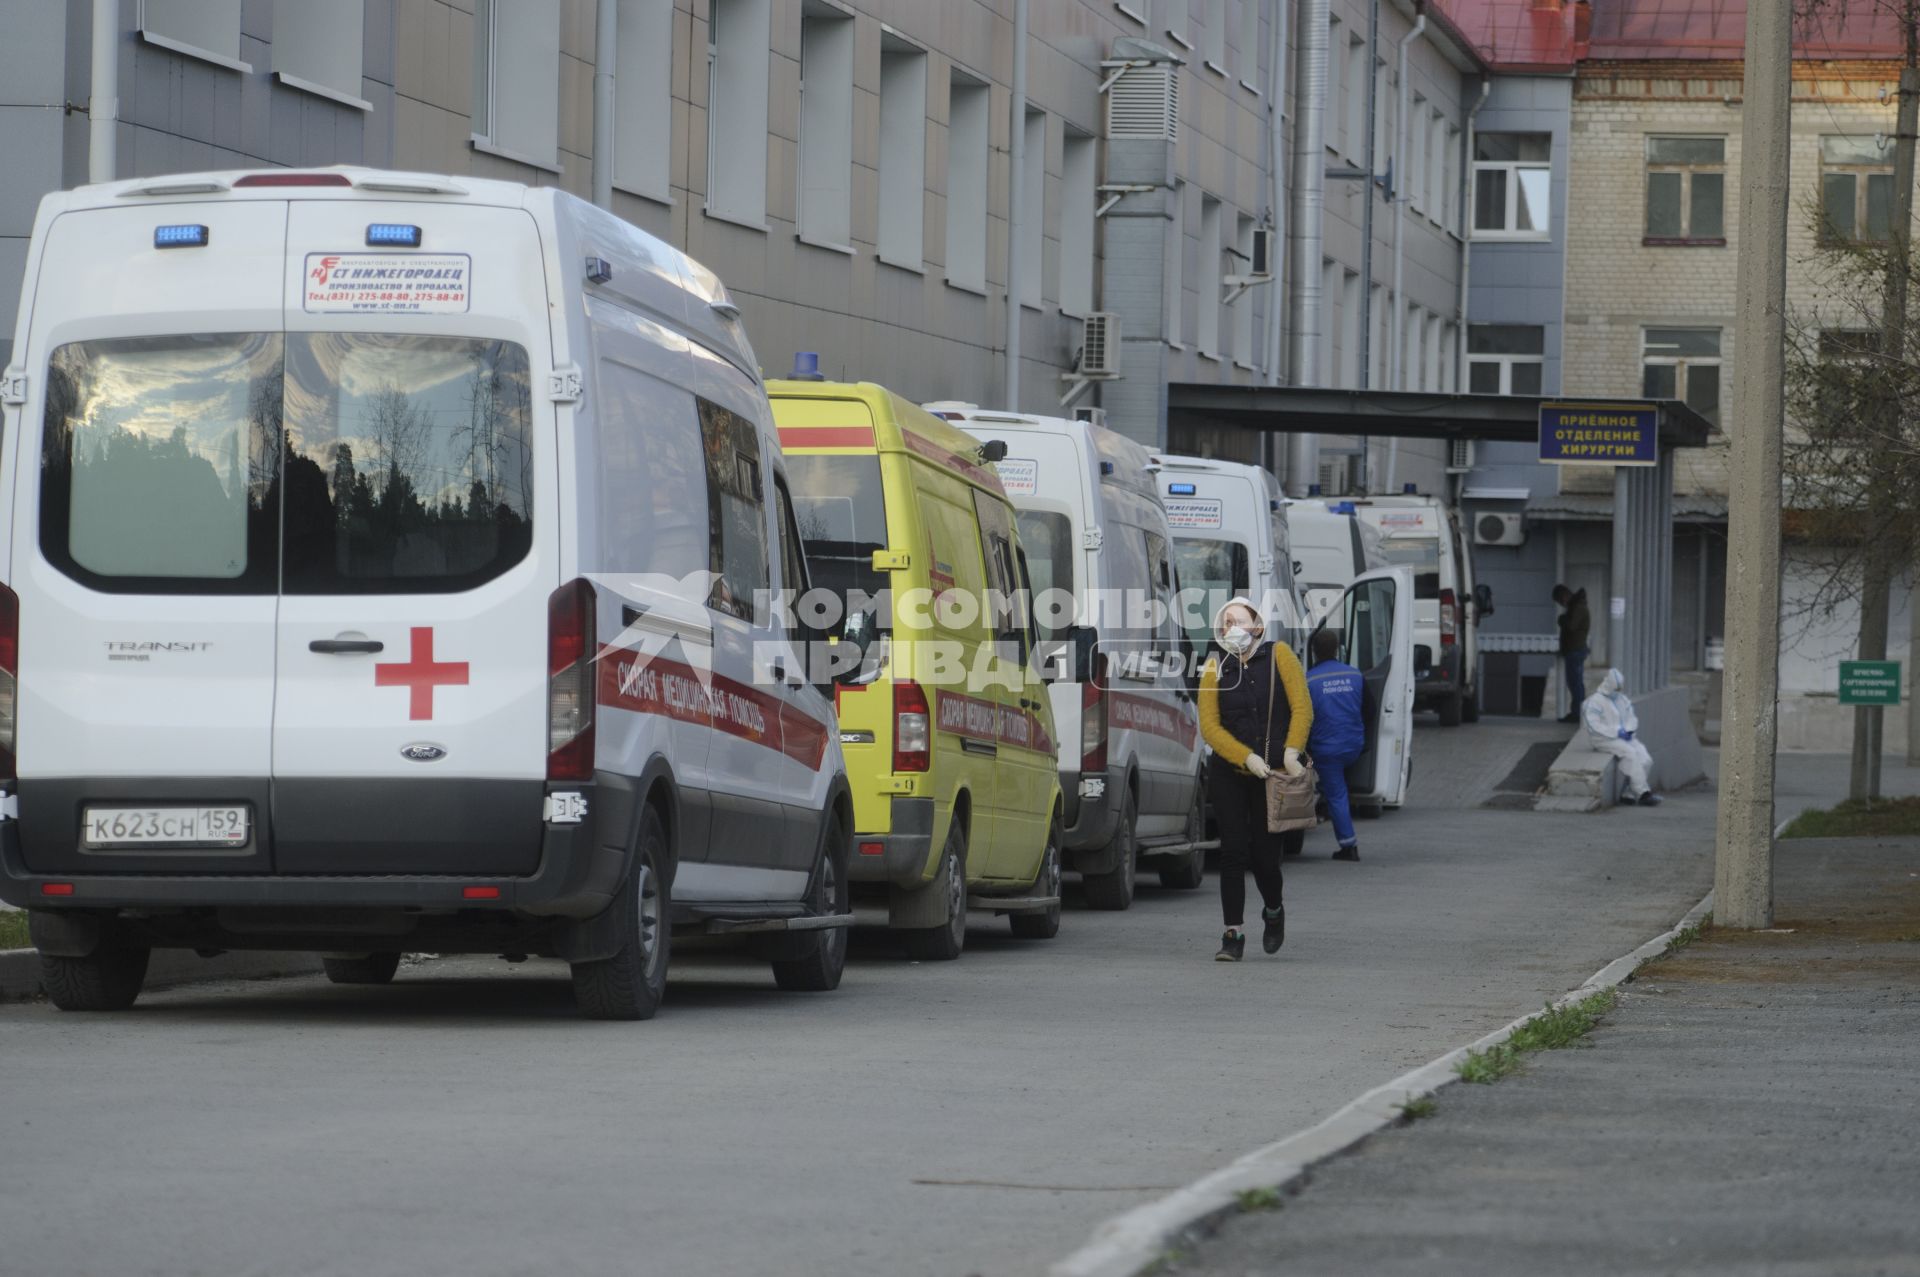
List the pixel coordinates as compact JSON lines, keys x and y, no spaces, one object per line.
{"x":1465,"y":197}
{"x":1016,"y":203}
{"x":1309,"y":187}
{"x":606,"y":45}
{"x":103,"y":104}
{"x":1397,"y":339}
{"x":1277,"y":168}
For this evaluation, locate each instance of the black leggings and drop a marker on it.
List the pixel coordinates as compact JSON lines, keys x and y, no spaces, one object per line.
{"x":1240,"y":809}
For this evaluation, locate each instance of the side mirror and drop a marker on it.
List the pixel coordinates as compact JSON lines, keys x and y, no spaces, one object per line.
{"x":1071,"y":657}
{"x":860,"y":633}
{"x":1483,"y":600}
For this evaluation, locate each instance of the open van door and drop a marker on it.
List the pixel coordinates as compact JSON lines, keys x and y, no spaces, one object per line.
{"x":1376,"y":618}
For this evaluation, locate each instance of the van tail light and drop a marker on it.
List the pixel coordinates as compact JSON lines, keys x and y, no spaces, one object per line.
{"x":9,"y":680}
{"x":912,"y":728}
{"x":570,"y":682}
{"x":1093,"y":718}
{"x":1449,"y":618}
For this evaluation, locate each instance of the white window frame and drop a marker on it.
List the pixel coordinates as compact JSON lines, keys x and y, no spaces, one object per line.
{"x":1652,"y":355}
{"x":1510,"y":214}
{"x":530,"y":40}
{"x":1862,"y":173}
{"x":1687,"y":171}
{"x":823,"y":170}
{"x":747,"y":31}
{"x":900,"y":227}
{"x":643,"y":101}
{"x":969,"y":108}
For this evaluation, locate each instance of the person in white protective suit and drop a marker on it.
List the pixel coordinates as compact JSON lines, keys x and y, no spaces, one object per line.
{"x":1611,"y":724}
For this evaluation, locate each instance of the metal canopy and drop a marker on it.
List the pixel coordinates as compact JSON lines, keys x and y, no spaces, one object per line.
{"x":1409,"y":414}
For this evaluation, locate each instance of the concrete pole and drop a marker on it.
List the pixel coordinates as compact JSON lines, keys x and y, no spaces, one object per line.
{"x":1743,"y":862}
{"x":606,"y":44}
{"x":1016,"y":204}
{"x":103,"y":104}
{"x":1896,"y":322}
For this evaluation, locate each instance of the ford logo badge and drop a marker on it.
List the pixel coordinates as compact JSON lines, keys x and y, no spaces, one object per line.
{"x":423,"y":753}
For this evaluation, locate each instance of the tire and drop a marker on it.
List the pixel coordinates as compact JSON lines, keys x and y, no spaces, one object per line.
{"x":1113,"y":889}
{"x":1044,"y":925}
{"x":371,"y":968}
{"x":1191,"y":872}
{"x":108,"y":979}
{"x":944,"y":942}
{"x":1470,"y":705}
{"x":1450,"y":710}
{"x":630,"y":984}
{"x":822,"y":955}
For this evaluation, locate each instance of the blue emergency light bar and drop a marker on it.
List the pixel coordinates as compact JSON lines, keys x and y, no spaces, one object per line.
{"x":1344,"y":507}
{"x":392,"y":235}
{"x":184,"y":236}
{"x":1180,"y":489}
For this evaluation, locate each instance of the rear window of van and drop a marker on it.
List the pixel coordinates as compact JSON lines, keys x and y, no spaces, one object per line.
{"x":841,"y":508}
{"x":313,"y":463}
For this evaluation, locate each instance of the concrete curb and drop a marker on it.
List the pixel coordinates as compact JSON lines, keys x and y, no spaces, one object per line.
{"x":1129,"y":1243}
{"x":20,"y":969}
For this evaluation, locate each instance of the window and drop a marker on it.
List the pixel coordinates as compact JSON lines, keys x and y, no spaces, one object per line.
{"x":316,"y":47}
{"x":1078,"y":183}
{"x":1033,"y":211}
{"x":1335,"y":120}
{"x":1005,"y":608}
{"x":204,"y":29}
{"x":1410,"y":356}
{"x":1683,"y":363}
{"x":1243,"y":349}
{"x":1382,"y":119}
{"x":1172,"y":269}
{"x":1251,"y":44}
{"x":967,"y":183}
{"x":1430,"y":374}
{"x":739,"y":35}
{"x":1330,"y":272}
{"x":1449,"y":360}
{"x":736,"y":522}
{"x":1505,"y":359}
{"x":1451,"y":217}
{"x":640,"y":477}
{"x":1377,"y":343}
{"x":516,"y":82}
{"x":410,"y":462}
{"x":1511,"y":177}
{"x":825,"y":178}
{"x":1220,"y":568}
{"x":1211,"y":250}
{"x":643,"y":99}
{"x":903,"y":152}
{"x":1686,"y":190}
{"x":1160,"y":577}
{"x":1051,"y":553}
{"x":1421,"y":555}
{"x":1848,"y":382}
{"x":1856,"y":189}
{"x":1436,"y":142}
{"x":1359,"y":86}
{"x":1413,"y":153}
{"x":1351,"y":321}
{"x":838,"y":501}
{"x":793,"y":567}
{"x":1214,"y":38}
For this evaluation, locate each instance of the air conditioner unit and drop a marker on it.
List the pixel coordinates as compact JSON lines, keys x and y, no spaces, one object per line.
{"x":1459,"y":456}
{"x":1336,"y":475}
{"x":1261,"y":267}
{"x":1100,"y":346}
{"x":1499,"y":529}
{"x":1092,"y":416}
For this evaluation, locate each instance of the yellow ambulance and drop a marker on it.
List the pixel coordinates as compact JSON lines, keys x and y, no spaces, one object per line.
{"x":948,"y":738}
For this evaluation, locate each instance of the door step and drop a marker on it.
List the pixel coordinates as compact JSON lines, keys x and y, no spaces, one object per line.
{"x":1012,"y":904}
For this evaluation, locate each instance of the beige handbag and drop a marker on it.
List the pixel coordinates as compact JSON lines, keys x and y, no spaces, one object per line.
{"x":1290,"y":799}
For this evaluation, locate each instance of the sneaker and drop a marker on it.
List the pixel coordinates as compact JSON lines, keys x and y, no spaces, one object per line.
{"x":1233,"y":946}
{"x":1626,"y":799}
{"x":1569,"y":718}
{"x":1275,"y":933}
{"x":1650,"y":799}
{"x":1349,"y":852}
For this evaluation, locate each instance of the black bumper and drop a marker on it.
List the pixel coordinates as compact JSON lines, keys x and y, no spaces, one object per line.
{"x":901,"y":860}
{"x":1092,"y":824}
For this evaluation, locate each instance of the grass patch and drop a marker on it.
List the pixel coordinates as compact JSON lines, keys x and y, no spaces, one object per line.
{"x":1884,"y":818}
{"x":1551,"y":1030}
{"x":1417,"y":1107}
{"x":13,"y":931}
{"x":1259,"y":1199}
{"x":1686,"y":936}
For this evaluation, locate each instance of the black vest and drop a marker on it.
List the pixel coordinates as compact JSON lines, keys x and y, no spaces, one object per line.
{"x":1243,"y":690}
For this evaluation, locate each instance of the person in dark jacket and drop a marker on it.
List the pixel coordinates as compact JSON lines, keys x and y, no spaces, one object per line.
{"x":1252,"y":699}
{"x":1575,"y":624}
{"x":1339,"y":733}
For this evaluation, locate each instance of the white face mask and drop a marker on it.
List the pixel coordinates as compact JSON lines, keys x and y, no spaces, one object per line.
{"x":1238,"y":639}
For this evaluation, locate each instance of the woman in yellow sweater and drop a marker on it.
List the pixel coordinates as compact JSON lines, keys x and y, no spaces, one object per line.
{"x":1252,"y":699}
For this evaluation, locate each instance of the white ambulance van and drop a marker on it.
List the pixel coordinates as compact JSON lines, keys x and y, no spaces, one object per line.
{"x":1331,"y":547}
{"x":1092,"y":526}
{"x":1230,"y":537}
{"x":1423,"y":534}
{"x":388,"y":565}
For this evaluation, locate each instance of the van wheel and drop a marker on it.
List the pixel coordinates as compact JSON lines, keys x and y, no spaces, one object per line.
{"x":108,"y":979}
{"x":630,"y":984}
{"x":943,"y":943}
{"x":1191,"y":872}
{"x":1114,"y":888}
{"x":1470,"y":706}
{"x":1044,"y":925}
{"x":368,"y":968}
{"x":822,"y":955}
{"x":1450,"y":709}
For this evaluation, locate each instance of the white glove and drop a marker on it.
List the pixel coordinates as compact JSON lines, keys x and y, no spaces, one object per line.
{"x":1258,"y":766}
{"x":1291,"y":762}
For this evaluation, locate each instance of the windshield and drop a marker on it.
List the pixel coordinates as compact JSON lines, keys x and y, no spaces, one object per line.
{"x":842,"y":512}
{"x":1047,"y":537}
{"x":1217,"y":567}
{"x":312,"y":463}
{"x":1423,"y":556}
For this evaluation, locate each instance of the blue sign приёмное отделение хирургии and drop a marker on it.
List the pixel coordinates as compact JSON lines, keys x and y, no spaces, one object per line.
{"x":1573,"y":434}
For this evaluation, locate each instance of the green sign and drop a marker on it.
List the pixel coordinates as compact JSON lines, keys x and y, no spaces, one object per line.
{"x":1869,"y":682}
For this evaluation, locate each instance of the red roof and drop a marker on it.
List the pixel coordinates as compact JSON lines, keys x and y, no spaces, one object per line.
{"x":1540,"y":35}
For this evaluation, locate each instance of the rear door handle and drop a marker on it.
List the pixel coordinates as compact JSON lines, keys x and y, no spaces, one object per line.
{"x":1027,"y":704}
{"x":339,"y":647}
{"x":979,"y":747}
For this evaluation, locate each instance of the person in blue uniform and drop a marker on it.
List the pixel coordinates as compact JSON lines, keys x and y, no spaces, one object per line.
{"x":1339,"y":734}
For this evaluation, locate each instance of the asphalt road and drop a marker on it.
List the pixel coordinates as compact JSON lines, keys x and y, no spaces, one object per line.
{"x":972,"y":1117}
